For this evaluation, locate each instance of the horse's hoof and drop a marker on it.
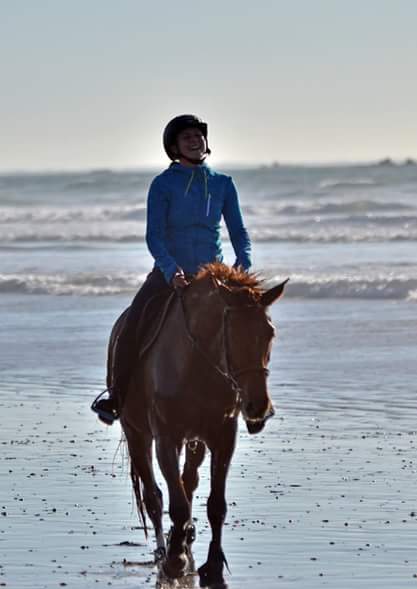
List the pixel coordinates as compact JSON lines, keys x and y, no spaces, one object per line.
{"x":162,"y":582}
{"x":159,"y":554}
{"x":174,"y":566}
{"x":213,"y":579}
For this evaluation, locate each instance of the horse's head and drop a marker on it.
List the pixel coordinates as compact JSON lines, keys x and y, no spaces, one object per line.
{"x":242,"y":335}
{"x":248,"y":335}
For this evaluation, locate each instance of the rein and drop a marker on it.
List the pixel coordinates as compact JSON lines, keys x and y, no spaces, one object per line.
{"x":225,"y":375}
{"x":228,"y":375}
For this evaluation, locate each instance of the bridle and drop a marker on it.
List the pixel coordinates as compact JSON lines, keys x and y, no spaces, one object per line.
{"x":226,"y":347}
{"x":229,"y":375}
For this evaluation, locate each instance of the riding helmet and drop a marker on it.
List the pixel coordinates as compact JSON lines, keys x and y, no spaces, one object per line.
{"x":178,"y":124}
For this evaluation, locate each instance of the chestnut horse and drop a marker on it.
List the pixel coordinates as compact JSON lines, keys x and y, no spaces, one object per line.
{"x":208,"y":364}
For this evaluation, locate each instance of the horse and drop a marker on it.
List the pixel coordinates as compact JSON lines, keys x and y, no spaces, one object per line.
{"x":207,"y":364}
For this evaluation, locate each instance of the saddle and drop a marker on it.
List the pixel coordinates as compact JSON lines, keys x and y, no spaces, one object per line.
{"x":149,"y":327}
{"x":152,"y":319}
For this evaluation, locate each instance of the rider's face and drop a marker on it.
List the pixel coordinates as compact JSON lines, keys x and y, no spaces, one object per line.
{"x":191,"y":144}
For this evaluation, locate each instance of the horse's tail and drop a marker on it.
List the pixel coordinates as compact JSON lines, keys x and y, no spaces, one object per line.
{"x":137,"y":487}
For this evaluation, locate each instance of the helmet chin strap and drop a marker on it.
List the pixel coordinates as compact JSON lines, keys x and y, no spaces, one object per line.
{"x":193,"y":161}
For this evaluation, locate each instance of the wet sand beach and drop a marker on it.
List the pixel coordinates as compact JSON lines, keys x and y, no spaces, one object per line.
{"x":324,"y":497}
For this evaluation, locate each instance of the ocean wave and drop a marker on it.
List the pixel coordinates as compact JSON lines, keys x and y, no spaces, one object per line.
{"x":343,"y":184}
{"x":349,"y":207}
{"x":300,"y":286}
{"x":91,"y":214}
{"x":353,"y":288}
{"x":59,"y":183}
{"x":80,"y":284}
{"x":69,"y":237}
{"x":50,"y":215}
{"x":369,"y":232}
{"x":128,"y":225}
{"x":343,"y":211}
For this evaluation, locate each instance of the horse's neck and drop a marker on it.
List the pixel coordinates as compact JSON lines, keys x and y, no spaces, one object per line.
{"x":204,"y":322}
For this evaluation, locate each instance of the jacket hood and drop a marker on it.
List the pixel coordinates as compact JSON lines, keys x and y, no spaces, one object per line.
{"x":188,"y":170}
{"x":191,"y":173}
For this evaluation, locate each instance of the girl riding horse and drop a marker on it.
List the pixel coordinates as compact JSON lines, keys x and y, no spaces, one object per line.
{"x":186,"y":203}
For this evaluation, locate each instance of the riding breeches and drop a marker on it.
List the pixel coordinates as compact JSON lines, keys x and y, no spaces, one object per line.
{"x":132,"y":331}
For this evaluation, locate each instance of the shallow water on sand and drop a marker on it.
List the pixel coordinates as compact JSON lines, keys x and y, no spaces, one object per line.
{"x":324,"y":497}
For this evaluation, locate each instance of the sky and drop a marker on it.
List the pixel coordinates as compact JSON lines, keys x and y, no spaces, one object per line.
{"x":91,"y":83}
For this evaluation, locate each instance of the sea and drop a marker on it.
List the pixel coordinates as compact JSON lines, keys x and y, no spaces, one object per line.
{"x":340,"y":453}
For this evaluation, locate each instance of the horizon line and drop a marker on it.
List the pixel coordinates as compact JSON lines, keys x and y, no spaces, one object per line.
{"x":275,"y":164}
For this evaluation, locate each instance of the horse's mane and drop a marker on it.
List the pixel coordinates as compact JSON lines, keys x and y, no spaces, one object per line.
{"x":234,"y":278}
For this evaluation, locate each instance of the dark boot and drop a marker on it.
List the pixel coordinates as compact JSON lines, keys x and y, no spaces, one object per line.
{"x":107,"y":409}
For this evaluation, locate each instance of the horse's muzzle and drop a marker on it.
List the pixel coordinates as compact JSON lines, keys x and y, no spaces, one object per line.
{"x":254,"y":426}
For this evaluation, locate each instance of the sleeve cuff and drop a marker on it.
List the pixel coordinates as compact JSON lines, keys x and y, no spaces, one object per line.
{"x":169,"y":272}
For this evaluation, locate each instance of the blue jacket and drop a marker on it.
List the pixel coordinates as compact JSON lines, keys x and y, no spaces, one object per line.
{"x":185,"y":206}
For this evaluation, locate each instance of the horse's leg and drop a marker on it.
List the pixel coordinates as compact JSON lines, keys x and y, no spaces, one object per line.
{"x":140,"y":450}
{"x":194,"y":456}
{"x":211,"y":573}
{"x":179,"y":507}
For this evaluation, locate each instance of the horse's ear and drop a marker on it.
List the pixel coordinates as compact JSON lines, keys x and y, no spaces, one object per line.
{"x":273,"y":294}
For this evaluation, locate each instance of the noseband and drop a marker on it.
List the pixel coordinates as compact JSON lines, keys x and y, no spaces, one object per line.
{"x":229,"y":375}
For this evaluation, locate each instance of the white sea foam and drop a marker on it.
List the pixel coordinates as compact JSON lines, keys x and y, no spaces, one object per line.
{"x":317,"y":233}
{"x":266,"y":227}
{"x":283,"y":204}
{"x":327,"y":207}
{"x":76,"y":217}
{"x":70,"y":284}
{"x":360,"y":209}
{"x":352,"y":288}
{"x":343,"y":184}
{"x":301,"y":285}
{"x":86,"y":214}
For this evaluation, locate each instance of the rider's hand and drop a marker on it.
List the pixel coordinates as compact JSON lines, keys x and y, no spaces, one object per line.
{"x":179,"y":281}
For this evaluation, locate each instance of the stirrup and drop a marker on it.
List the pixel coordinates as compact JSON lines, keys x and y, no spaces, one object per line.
{"x":107,"y":417}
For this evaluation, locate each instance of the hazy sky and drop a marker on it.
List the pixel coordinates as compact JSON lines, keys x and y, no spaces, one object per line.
{"x":91,"y":83}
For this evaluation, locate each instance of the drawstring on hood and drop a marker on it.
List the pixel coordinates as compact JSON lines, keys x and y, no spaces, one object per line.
{"x":207,"y":194}
{"x":190,"y":181}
